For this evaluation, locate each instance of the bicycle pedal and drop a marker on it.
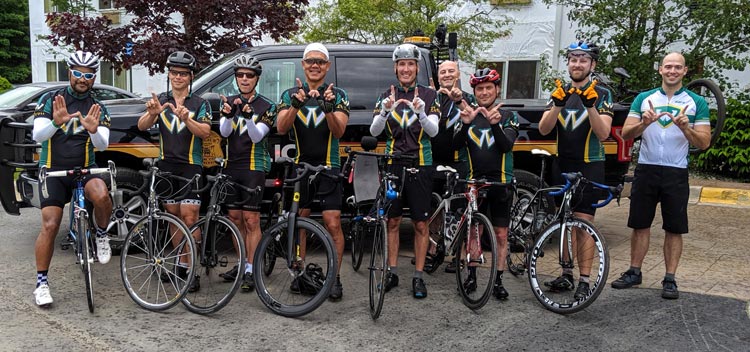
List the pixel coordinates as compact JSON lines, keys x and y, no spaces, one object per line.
{"x":223,"y":261}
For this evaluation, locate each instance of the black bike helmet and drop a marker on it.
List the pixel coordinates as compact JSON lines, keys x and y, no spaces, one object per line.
{"x":248,"y":62}
{"x":83,"y":59}
{"x":484,"y":75}
{"x":181,"y":59}
{"x":587,"y":47}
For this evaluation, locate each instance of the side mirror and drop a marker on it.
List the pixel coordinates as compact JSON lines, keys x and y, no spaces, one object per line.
{"x":369,"y":143}
{"x":29,"y":107}
{"x":213,"y":99}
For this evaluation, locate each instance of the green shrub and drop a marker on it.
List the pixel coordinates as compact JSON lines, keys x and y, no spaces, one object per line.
{"x":730,"y":155}
{"x":4,"y":84}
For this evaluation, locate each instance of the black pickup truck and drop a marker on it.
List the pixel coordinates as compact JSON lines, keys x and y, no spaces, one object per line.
{"x":364,"y":71}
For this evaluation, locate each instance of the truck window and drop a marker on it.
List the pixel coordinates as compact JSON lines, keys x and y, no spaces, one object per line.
{"x":365,"y":78}
{"x":278,"y":76}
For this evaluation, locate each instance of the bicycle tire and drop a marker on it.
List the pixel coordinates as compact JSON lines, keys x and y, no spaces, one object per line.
{"x":85,"y":255}
{"x":274,"y":290}
{"x":717,"y":107}
{"x":544,"y":263}
{"x":378,"y":268}
{"x":358,"y":245}
{"x":484,"y":279}
{"x":229,"y":250}
{"x":149,"y":255}
{"x":436,"y":228}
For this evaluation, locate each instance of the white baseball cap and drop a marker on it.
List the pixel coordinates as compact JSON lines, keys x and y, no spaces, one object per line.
{"x":316,"y":47}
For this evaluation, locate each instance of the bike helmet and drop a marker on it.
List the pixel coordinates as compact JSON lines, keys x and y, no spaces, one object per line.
{"x":484,"y":75}
{"x":406,"y":52}
{"x":248,"y":62}
{"x":83,"y":59}
{"x":583,"y":46}
{"x":181,"y":59}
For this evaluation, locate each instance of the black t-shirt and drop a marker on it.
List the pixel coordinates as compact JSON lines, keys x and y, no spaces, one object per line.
{"x":242,"y":153}
{"x":176,"y":143}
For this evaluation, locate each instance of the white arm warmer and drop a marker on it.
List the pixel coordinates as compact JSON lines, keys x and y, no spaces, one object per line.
{"x":429,"y":124}
{"x":100,"y":138}
{"x":225,"y":126}
{"x":257,"y":131}
{"x":43,"y":129}
{"x":378,"y":124}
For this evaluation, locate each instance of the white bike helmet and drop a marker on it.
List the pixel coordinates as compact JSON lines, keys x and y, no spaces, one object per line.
{"x":83,"y":59}
{"x":406,"y":52}
{"x":248,"y":62}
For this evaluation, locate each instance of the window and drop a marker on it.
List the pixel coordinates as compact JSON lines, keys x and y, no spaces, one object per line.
{"x":520,"y":78}
{"x":379,"y":76}
{"x":278,"y":76}
{"x":57,"y":71}
{"x":107,"y":75}
{"x":107,"y":4}
{"x":107,"y":94}
{"x":49,"y":6}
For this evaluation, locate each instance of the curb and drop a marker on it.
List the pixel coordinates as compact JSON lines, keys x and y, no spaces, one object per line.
{"x":723,"y":196}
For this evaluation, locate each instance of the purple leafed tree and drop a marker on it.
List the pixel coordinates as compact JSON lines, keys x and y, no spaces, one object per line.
{"x":206,"y":29}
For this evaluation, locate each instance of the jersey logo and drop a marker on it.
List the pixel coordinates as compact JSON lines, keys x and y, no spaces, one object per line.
{"x":73,"y":126}
{"x":172,"y":123}
{"x":311,"y":116}
{"x":241,"y":124}
{"x":664,"y":120}
{"x":451,"y":120}
{"x":482,"y":137}
{"x":571,"y":120}
{"x":404,"y":120}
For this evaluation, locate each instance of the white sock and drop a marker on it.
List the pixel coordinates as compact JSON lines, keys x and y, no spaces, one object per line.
{"x":248,"y":268}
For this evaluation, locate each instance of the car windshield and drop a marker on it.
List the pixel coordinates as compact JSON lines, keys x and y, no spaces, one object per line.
{"x":13,"y":97}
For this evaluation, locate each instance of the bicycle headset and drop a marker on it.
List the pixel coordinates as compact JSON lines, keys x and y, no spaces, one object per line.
{"x":484,"y":75}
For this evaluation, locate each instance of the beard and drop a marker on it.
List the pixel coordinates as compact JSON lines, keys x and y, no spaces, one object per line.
{"x":581,"y":78}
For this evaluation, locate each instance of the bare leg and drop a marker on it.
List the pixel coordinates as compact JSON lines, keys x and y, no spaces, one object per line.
{"x":421,"y":241}
{"x":672,"y":251}
{"x":332,"y":220}
{"x":393,"y":242}
{"x":45,"y":242}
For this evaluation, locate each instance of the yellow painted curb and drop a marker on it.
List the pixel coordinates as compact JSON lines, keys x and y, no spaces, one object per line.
{"x":725,"y":196}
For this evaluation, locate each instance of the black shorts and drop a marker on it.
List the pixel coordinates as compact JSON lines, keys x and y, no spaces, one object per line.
{"x":585,"y":196}
{"x":326,"y":189}
{"x":172,"y":189}
{"x":415,"y":192}
{"x":654,"y":184}
{"x":247,"y":178}
{"x":496,"y":205}
{"x":60,"y":189}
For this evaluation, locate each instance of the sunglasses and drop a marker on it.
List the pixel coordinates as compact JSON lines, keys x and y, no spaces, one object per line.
{"x":179,"y":73}
{"x":315,"y":61}
{"x":86,"y":76}
{"x":578,"y":45}
{"x":250,"y":75}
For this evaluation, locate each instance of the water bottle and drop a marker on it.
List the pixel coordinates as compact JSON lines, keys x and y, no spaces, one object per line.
{"x":391,"y":193}
{"x":539,"y":220}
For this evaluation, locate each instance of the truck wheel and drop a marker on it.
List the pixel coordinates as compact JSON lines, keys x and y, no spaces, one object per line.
{"x":527,"y":185}
{"x":127,"y":207}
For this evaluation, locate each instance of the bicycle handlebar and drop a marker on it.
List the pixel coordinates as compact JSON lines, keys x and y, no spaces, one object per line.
{"x":78,"y":171}
{"x":223,"y":178}
{"x":304,"y":169}
{"x":573,"y":178}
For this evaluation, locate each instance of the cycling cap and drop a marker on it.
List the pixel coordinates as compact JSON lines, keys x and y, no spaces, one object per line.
{"x":484,"y":75}
{"x":316,"y":47}
{"x":83,"y":59}
{"x":583,"y":46}
{"x":406,"y":52}
{"x":181,"y":59}
{"x":248,"y":62}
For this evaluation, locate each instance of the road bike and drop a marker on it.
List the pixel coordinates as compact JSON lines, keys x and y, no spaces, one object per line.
{"x":80,"y":235}
{"x":305,"y":249}
{"x":158,"y":256}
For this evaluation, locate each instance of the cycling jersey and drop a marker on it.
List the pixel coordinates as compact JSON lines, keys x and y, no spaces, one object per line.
{"x":443,"y":152}
{"x":575,"y":138}
{"x":663,"y":143}
{"x":403,"y":130}
{"x":71,"y":145}
{"x":490,"y":147}
{"x":176,"y":143}
{"x":242,"y":153}
{"x":314,"y":141}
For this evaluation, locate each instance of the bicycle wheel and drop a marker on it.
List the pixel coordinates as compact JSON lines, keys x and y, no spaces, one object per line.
{"x":156,"y":262}
{"x":358,"y":242}
{"x":545,"y":265}
{"x":716,"y":107}
{"x":297,"y":289}
{"x":378,"y":267}
{"x":86,"y":257}
{"x":436,"y":228}
{"x":478,"y":267}
{"x":221,"y":246}
{"x":519,"y":236}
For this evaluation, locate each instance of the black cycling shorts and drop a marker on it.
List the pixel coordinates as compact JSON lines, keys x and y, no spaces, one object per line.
{"x":654,"y":184}
{"x":415,"y":193}
{"x":327,"y":189}
{"x":587,"y":195}
{"x":60,"y":189}
{"x":496,"y":205}
{"x":173,"y":188}
{"x":247,"y":178}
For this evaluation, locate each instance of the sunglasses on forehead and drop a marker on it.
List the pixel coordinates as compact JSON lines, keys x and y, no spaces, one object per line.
{"x":79,"y":74}
{"x":250,"y":75}
{"x":315,"y":61}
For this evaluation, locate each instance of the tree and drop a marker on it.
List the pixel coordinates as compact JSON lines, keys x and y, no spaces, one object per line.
{"x":206,"y":29}
{"x":712,"y":34}
{"x":15,"y":57}
{"x":389,"y":21}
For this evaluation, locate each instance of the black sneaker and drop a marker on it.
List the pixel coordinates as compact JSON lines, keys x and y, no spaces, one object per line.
{"x":563,"y":282}
{"x":391,"y":281}
{"x":336,"y":291}
{"x":498,"y":290}
{"x":196,"y":285}
{"x":669,"y":289}
{"x":582,"y":291}
{"x":230,"y":275}
{"x":628,"y":279}
{"x":248,"y":282}
{"x":470,"y":284}
{"x":420,"y":290}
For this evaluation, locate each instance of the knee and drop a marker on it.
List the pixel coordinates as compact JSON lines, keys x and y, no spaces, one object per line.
{"x":252,"y":221}
{"x":50,"y":227}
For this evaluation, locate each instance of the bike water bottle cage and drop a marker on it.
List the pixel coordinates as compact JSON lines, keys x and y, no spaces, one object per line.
{"x":391,"y":193}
